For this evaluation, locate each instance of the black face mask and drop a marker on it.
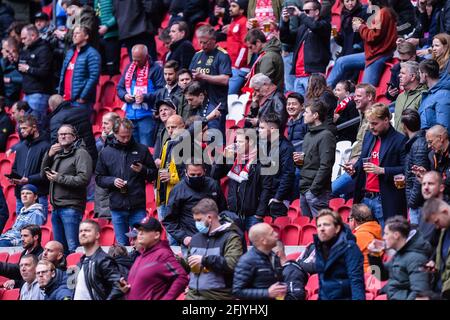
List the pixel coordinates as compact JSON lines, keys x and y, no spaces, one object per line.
{"x":196,"y":182}
{"x":29,"y":138}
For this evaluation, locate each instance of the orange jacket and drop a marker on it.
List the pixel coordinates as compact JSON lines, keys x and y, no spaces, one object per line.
{"x":364,"y":234}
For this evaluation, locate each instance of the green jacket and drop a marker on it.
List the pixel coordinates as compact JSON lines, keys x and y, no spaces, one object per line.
{"x":443,"y":267}
{"x":407,"y":100}
{"x":104,"y":11}
{"x":271,"y":64}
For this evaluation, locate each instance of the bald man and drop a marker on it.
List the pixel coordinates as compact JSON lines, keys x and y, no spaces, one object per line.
{"x":140,"y":80}
{"x":54,"y":252}
{"x":259,"y":274}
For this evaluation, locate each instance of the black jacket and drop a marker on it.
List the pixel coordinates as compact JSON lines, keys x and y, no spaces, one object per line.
{"x":195,"y":11}
{"x":179,"y":222}
{"x":315,"y":36}
{"x":297,"y":130}
{"x":101,"y":275}
{"x":283,"y":180}
{"x":349,"y":40}
{"x":182,"y":52}
{"x":319,"y":147}
{"x":416,"y":154}
{"x":330,"y":101}
{"x":6,"y":18}
{"x":114,"y":162}
{"x":29,"y":155}
{"x":276,"y":103}
{"x":406,"y":15}
{"x":254,"y":274}
{"x":6,"y":129}
{"x":349,"y":133}
{"x":441,"y":164}
{"x":38,"y":79}
{"x":77,"y":117}
{"x":296,"y":278}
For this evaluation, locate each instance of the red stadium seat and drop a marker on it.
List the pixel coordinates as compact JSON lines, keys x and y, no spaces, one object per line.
{"x":282,"y":221}
{"x":230,"y":123}
{"x":349,"y":203}
{"x":47,"y":234}
{"x":291,"y":235}
{"x":293,"y":256}
{"x":73,"y":259}
{"x":4,"y":256}
{"x":277,"y":229}
{"x":314,"y":297}
{"x":12,"y":140}
{"x":381,"y":297}
{"x":107,"y":236}
{"x":5,"y":166}
{"x":2,"y":281}
{"x":14,"y":258}
{"x":13,"y":294}
{"x":293,"y":213}
{"x":312,"y":286}
{"x":369,"y":296}
{"x":301,"y":220}
{"x":344,"y":212}
{"x":307,"y":234}
{"x":336,"y":203}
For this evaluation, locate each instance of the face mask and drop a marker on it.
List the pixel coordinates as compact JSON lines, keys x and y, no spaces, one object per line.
{"x":196,"y":182}
{"x":200,"y":225}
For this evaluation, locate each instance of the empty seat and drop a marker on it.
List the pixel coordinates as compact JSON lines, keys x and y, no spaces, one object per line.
{"x":336,"y":203}
{"x":282,"y":221}
{"x":312,"y":286}
{"x":73,"y":258}
{"x":277,"y":229}
{"x":12,"y":294}
{"x":307,"y":234}
{"x":4,"y":256}
{"x":47,"y":234}
{"x":381,"y":297}
{"x":14,"y":258}
{"x":107,"y":236}
{"x":344,"y":212}
{"x":301,"y":220}
{"x":291,"y":235}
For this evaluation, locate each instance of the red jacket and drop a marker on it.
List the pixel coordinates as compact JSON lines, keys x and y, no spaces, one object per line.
{"x":157,"y":275}
{"x":236,"y":48}
{"x":380,"y":39}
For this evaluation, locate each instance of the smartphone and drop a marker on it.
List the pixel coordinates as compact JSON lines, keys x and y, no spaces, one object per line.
{"x":135,"y":163}
{"x":390,"y":84}
{"x":290,"y":10}
{"x":342,"y":166}
{"x":47,"y":169}
{"x":12,"y":175}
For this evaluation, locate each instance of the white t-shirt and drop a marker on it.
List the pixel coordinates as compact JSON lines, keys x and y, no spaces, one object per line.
{"x":81,"y":290}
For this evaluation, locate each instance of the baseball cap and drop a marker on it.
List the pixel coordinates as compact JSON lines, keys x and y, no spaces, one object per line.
{"x":41,"y":16}
{"x":149,"y":224}
{"x":132,"y":234}
{"x":243,"y":4}
{"x":166,"y":102}
{"x":30,"y":187}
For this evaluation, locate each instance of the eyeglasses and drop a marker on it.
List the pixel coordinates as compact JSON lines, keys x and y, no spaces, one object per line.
{"x":38,"y":273}
{"x":307,"y":11}
{"x":62,"y":134}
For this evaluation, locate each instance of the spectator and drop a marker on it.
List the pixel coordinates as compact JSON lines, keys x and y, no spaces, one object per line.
{"x":269,"y":61}
{"x":441,"y":52}
{"x":54,"y":252}
{"x":181,"y":49}
{"x":12,"y":78}
{"x":30,"y":214}
{"x":262,"y":13}
{"x":339,"y":262}
{"x":30,"y":289}
{"x":283,"y":170}
{"x":53,"y":282}
{"x":319,"y":147}
{"x":184,"y":77}
{"x":438,"y":141}
{"x":437,"y":212}
{"x":42,"y":23}
{"x":6,"y":18}
{"x":171,"y":90}
{"x":444,"y":25}
{"x":212,"y":66}
{"x":195,"y":11}
{"x":109,"y":37}
{"x":345,"y":110}
{"x":236,"y":33}
{"x":68,"y":167}
{"x":379,"y":36}
{"x":156,"y":274}
{"x":249,"y":282}
{"x":124,"y":167}
{"x":412,"y":253}
{"x":312,"y":42}
{"x":165,"y":109}
{"x":411,"y":97}
{"x":382,"y":157}
{"x":141,"y":78}
{"x":194,"y":186}
{"x":35,"y":65}
{"x":164,"y":36}
{"x":416,"y":155}
{"x":293,"y":275}
{"x":406,"y":16}
{"x":98,"y":278}
{"x":317,"y":89}
{"x":6,"y":126}
{"x":18,"y":110}
{"x":62,"y":112}
{"x":176,"y":8}
{"x":27,"y":163}
{"x":123,"y":260}
{"x":135,"y":246}
{"x":266,"y":98}
{"x":213,"y":254}
{"x":15,"y":29}
{"x":80,"y":71}
{"x":365,"y":228}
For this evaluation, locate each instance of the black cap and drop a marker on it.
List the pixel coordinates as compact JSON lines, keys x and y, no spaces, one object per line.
{"x":41,"y":16}
{"x":243,"y":4}
{"x":149,"y":224}
{"x":166,"y":102}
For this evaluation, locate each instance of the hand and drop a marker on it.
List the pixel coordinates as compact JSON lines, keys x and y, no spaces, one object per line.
{"x":430,"y":266}
{"x":219,"y":11}
{"x":285,"y":15}
{"x":51,"y":175}
{"x":215,"y":114}
{"x":102,"y":29}
{"x":9,"y":284}
{"x":225,"y":28}
{"x":336,"y":117}
{"x":422,"y":52}
{"x":164,"y":176}
{"x":393,"y":91}
{"x":6,"y":80}
{"x":54,"y":149}
{"x":356,"y":23}
{"x":129,"y":98}
{"x":23,"y":67}
{"x":229,"y":151}
{"x":119,"y":183}
{"x":8,"y":152}
{"x":369,"y":167}
{"x":137,"y":167}
{"x":198,"y":76}
{"x":187,"y":241}
{"x":277,"y":290}
{"x":139,"y":98}
{"x":253,"y":121}
{"x":195,"y":260}
{"x":348,"y":167}
{"x":399,"y":40}
{"x":251,"y":24}
{"x":124,"y":286}
{"x":274,"y":200}
{"x":158,"y":163}
{"x":296,"y":157}
{"x":82,"y":101}
{"x":21,"y":182}
{"x":413,"y":41}
{"x":60,"y":34}
{"x":418,"y":171}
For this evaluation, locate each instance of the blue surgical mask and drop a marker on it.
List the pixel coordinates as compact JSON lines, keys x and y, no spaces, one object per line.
{"x":200,"y":225}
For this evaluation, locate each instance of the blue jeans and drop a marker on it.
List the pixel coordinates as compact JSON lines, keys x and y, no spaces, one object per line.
{"x":297,"y":182}
{"x":414,"y":215}
{"x":343,"y":186}
{"x":289,"y":79}
{"x":377,"y":209}
{"x":6,"y":243}
{"x":122,"y":220}
{"x":162,"y":213}
{"x":301,"y":85}
{"x":311,"y":204}
{"x":250,"y":221}
{"x":42,"y":200}
{"x":39,"y":105}
{"x":66,"y":224}
{"x":89,"y":106}
{"x":143,"y":131}
{"x":237,"y":80}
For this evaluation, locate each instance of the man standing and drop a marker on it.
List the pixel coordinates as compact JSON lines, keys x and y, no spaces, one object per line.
{"x":258,"y":274}
{"x":212,"y":66}
{"x":124,"y":167}
{"x":99,"y":276}
{"x":80,"y":71}
{"x":181,"y":49}
{"x":171,"y":90}
{"x":319,"y":147}
{"x":382,"y":157}
{"x":156,"y":274}
{"x":141,"y":78}
{"x":164,"y":109}
{"x":30,"y":289}
{"x":68,"y":167}
{"x":35,"y":65}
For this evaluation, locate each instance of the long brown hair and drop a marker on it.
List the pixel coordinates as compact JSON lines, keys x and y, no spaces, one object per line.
{"x":445,"y":40}
{"x":317,"y":85}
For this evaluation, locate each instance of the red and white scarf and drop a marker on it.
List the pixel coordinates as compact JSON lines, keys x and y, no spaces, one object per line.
{"x":343,"y":104}
{"x":141,"y":85}
{"x":241,"y":167}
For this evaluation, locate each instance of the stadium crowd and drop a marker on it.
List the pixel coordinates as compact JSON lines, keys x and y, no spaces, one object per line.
{"x":229,"y":129}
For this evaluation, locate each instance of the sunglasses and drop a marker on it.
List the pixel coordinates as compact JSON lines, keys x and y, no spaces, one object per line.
{"x":307,"y":11}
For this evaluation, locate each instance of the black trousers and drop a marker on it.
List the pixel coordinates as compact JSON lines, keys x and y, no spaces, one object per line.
{"x":110,"y":52}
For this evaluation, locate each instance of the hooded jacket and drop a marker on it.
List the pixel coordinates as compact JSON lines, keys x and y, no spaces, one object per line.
{"x":364,"y":235}
{"x":271,"y":64}
{"x":12,"y":89}
{"x":114,"y":162}
{"x":407,"y":100}
{"x":341,"y":275}
{"x":74,"y":173}
{"x":297,"y":130}
{"x":435,"y":106}
{"x":156,"y":275}
{"x":57,"y":288}
{"x":404,"y":271}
